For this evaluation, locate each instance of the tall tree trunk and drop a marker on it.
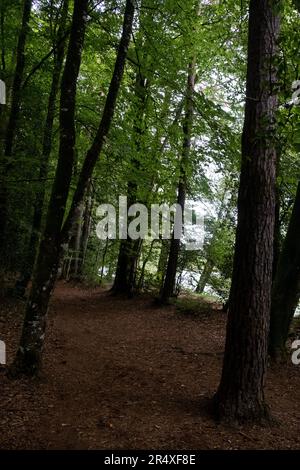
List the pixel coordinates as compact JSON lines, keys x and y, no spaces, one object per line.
{"x":240,"y":395}
{"x":74,"y":253}
{"x":12,"y":121}
{"x":125,"y":278}
{"x":169,"y":281}
{"x":286,"y":287}
{"x":74,"y":247}
{"x":129,"y":252}
{"x":106,"y":119}
{"x":59,"y":54}
{"x":86,"y":229}
{"x":29,"y":353}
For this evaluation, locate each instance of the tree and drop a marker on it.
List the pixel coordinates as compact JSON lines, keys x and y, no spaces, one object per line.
{"x":169,"y":281}
{"x":286,"y":286}
{"x":240,"y":395}
{"x":29,"y":354}
{"x":28,"y":357}
{"x":129,"y":252}
{"x":105,"y":122}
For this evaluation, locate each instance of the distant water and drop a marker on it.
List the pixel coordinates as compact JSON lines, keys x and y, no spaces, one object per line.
{"x":189,"y":280}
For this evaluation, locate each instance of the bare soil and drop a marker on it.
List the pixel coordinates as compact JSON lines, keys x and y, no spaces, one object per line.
{"x":124,"y":374}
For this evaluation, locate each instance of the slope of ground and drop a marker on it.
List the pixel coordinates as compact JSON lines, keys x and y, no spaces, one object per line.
{"x":125,"y":374}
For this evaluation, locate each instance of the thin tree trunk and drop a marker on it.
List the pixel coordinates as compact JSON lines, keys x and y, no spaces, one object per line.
{"x":169,"y":281}
{"x":59,"y":54}
{"x":75,"y":242}
{"x":106,"y":119}
{"x":28,"y":357}
{"x":29,"y":354}
{"x":86,"y":228}
{"x":12,"y":121}
{"x":240,"y":395}
{"x":286,"y":287}
{"x":130,"y":249}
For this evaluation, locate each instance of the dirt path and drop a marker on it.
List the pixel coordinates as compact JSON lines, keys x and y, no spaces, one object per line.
{"x":124,"y":374}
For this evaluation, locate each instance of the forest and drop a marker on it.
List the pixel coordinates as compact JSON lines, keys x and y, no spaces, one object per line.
{"x":149,"y":224}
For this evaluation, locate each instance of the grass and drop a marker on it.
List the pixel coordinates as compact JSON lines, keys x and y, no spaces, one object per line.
{"x":196,"y":304}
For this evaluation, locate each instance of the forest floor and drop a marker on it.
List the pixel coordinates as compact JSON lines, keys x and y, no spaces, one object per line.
{"x":125,"y":374}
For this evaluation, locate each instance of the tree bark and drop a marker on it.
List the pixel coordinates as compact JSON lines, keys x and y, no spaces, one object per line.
{"x":106,"y":119}
{"x":86,"y":228}
{"x":28,"y":357}
{"x":129,"y":252}
{"x":286,"y":287}
{"x":169,"y":281}
{"x":74,"y":247}
{"x":29,"y":354}
{"x":125,"y":278}
{"x":240,"y":396}
{"x":12,"y":121}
